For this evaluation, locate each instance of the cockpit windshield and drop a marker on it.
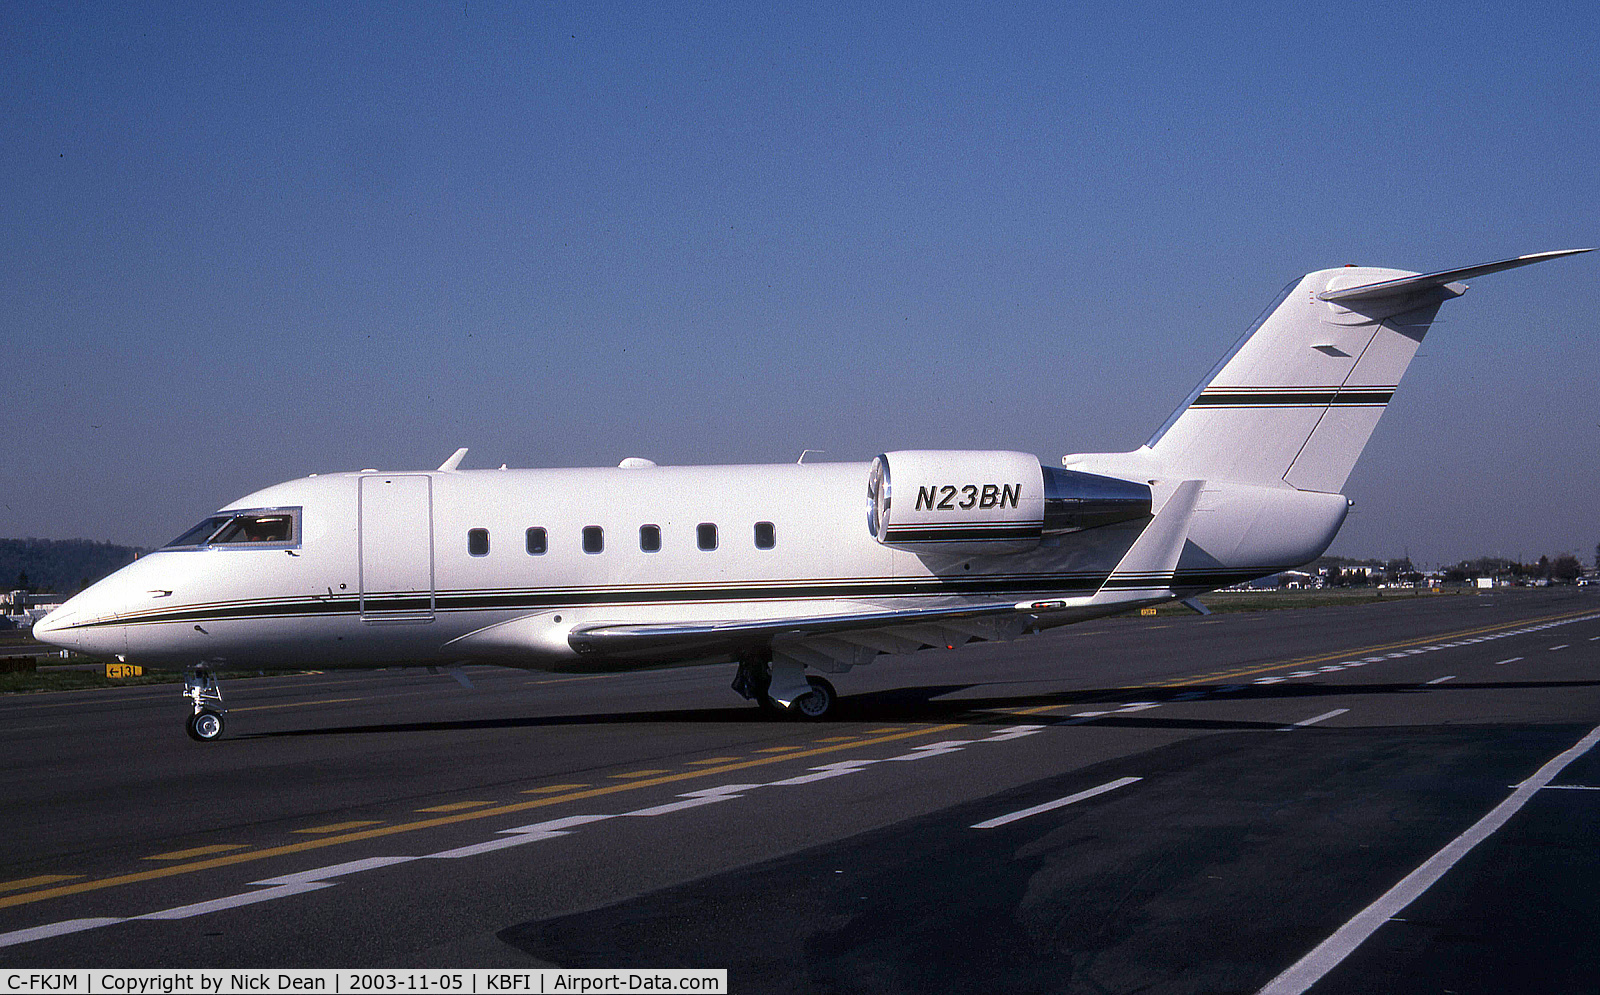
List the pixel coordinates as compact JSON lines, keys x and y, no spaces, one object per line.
{"x":272,"y":526}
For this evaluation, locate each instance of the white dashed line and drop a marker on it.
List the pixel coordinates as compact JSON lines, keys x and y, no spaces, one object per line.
{"x":1314,"y":719}
{"x":932,"y":750}
{"x":1418,"y":650}
{"x":1058,"y":803}
{"x":48,"y":930}
{"x":695,"y":799}
{"x":1441,"y":680}
{"x":236,"y":901}
{"x":1514,"y":659}
{"x":1016,"y":733}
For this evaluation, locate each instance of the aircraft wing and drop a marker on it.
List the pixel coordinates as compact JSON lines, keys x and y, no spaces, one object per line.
{"x":865,"y":633}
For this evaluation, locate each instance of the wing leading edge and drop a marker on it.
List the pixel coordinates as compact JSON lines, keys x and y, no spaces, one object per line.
{"x":674,"y":640}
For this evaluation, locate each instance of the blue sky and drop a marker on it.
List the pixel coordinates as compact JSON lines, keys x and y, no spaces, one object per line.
{"x":244,"y":243}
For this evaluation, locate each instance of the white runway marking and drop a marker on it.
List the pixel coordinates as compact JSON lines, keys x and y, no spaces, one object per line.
{"x":1570,"y":787}
{"x":48,"y":930}
{"x":1417,"y":650}
{"x":933,"y":750}
{"x":1016,"y":733}
{"x":1058,"y":803}
{"x":1314,"y":719}
{"x":334,"y":871}
{"x":1441,"y":680}
{"x":235,"y":901}
{"x":1328,"y":954}
{"x":695,"y":799}
{"x":1561,"y":647}
{"x":1501,"y":663}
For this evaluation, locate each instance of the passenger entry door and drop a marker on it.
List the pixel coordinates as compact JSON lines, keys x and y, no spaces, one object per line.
{"x":395,"y":522}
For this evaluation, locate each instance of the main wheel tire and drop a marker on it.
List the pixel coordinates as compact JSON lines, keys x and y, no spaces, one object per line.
{"x":817,"y":705}
{"x":205,"y":726}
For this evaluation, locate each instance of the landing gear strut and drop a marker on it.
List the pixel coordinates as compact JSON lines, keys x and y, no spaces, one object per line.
{"x":755,"y":678}
{"x":200,"y":687}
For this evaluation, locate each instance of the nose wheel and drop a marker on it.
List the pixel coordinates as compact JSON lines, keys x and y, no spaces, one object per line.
{"x":201,"y":688}
{"x":205,"y":726}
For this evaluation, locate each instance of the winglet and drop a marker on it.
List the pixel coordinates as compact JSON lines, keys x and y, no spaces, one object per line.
{"x":454,"y":460}
{"x":1412,"y":284}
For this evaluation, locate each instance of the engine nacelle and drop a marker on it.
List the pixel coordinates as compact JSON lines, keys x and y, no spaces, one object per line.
{"x":988,"y":502}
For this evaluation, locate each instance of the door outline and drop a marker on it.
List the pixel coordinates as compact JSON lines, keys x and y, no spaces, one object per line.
{"x":395,"y":549}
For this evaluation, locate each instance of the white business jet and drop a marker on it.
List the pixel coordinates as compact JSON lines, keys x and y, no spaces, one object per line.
{"x":782,"y":569}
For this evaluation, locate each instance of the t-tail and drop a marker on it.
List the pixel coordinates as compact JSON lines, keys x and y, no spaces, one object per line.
{"x":1300,"y":393}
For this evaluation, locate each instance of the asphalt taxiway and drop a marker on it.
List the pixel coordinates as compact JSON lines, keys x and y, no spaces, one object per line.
{"x":1178,"y":804}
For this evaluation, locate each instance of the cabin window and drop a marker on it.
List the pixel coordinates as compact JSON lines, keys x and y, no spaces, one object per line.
{"x":538,"y":542}
{"x":766,"y":535}
{"x":705,"y":535}
{"x":478,"y":542}
{"x":650,"y":538}
{"x":594,"y":539}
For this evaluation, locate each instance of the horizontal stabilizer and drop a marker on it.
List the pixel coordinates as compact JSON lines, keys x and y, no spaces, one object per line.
{"x":1413,"y":284}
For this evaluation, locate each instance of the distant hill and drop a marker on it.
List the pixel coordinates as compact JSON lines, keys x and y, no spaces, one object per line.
{"x":59,"y":566}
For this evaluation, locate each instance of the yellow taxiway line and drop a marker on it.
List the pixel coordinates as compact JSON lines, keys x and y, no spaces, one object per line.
{"x":884,"y":735}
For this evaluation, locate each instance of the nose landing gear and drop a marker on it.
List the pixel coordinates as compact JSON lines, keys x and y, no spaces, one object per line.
{"x":200,"y":687}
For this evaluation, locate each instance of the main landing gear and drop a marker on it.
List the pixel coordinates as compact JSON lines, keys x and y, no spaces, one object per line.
{"x":200,"y":687}
{"x":783,"y":688}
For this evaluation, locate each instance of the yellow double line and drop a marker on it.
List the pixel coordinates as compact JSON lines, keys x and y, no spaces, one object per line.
{"x":483,"y":813}
{"x":710,"y":771}
{"x":1450,"y":637}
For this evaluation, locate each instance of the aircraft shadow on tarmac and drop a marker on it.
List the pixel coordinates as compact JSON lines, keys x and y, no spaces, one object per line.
{"x":928,"y":703}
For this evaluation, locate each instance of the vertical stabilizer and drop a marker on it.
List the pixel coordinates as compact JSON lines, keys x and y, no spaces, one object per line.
{"x":1301,"y":392}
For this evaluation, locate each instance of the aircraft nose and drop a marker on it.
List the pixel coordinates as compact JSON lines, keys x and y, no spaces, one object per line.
{"x":65,"y":628}
{"x":53,"y":629}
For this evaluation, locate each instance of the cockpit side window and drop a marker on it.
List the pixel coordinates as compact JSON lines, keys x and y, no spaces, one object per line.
{"x":244,"y":529}
{"x":198,"y":535}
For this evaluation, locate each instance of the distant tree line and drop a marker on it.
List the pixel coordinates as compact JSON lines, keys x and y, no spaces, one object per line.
{"x":1343,"y":571}
{"x":59,"y":566}
{"x":1564,"y":569}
